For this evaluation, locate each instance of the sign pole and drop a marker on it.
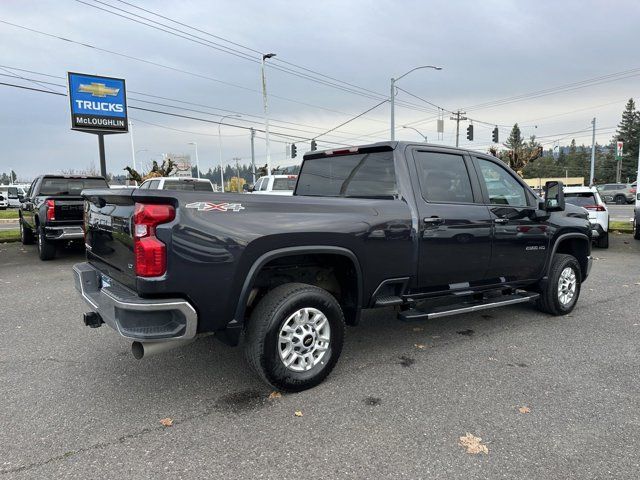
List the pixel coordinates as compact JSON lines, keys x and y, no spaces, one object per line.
{"x":103,"y":161}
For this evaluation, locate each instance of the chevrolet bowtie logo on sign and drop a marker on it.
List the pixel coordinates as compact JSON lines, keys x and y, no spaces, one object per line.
{"x":98,"y":104}
{"x":98,"y":89}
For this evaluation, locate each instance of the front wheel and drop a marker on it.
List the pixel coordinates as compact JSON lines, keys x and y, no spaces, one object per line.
{"x":294,"y":336}
{"x":636,"y":230}
{"x":562,"y":289}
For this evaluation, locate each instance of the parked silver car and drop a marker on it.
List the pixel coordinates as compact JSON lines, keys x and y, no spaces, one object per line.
{"x":619,"y":193}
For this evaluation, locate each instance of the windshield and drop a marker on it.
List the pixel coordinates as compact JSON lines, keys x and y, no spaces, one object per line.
{"x":284,"y":183}
{"x":70,"y":186}
{"x":580,"y":199}
{"x":369,"y":175}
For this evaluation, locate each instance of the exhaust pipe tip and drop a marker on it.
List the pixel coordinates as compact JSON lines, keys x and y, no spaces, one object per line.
{"x":137,"y":349}
{"x":140,"y":350}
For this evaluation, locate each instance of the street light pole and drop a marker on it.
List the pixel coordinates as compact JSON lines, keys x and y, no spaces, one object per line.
{"x":220,"y":148}
{"x":133,"y":148}
{"x":393,"y":94}
{"x":195,"y":144}
{"x":266,"y":113}
{"x":593,"y":153}
{"x":418,"y":131}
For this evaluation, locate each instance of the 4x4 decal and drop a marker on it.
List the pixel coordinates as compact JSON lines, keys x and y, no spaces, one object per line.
{"x":217,"y":207}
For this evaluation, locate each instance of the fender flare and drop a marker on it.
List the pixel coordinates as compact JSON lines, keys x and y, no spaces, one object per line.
{"x":557,"y":243}
{"x":285,"y":252}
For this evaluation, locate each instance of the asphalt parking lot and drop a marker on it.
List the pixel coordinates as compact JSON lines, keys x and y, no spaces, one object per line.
{"x":75,"y":404}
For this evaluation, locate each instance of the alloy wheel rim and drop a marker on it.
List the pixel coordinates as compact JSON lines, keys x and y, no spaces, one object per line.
{"x":567,"y":286}
{"x":304,"y":339}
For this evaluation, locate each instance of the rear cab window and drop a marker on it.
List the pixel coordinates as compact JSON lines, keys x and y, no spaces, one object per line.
{"x":69,"y":186}
{"x":368,"y":174}
{"x":286,"y":184}
{"x":187,"y":186}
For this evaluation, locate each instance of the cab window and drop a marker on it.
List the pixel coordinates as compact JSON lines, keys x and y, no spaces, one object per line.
{"x":443,"y":177}
{"x":501,"y":187}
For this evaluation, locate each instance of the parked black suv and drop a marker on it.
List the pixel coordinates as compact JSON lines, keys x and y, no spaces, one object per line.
{"x":52,"y":211}
{"x":433,"y":231}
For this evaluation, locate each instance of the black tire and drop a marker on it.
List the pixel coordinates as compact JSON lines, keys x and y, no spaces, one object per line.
{"x":26,"y":234}
{"x":620,"y":200}
{"x":603,"y":240}
{"x":549,"y":300}
{"x":46,"y":248}
{"x":262,"y":335}
{"x":636,"y":230}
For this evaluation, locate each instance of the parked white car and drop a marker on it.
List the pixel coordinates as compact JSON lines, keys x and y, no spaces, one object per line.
{"x":589,"y":199}
{"x":4,"y":202}
{"x":275,"y":185}
{"x":178,"y":183}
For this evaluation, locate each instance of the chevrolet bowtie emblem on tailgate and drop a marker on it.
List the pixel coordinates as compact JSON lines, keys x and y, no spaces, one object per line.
{"x":98,"y":89}
{"x":218,"y":207}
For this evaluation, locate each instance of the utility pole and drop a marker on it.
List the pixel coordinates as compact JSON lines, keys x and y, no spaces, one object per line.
{"x":266,"y":110}
{"x":458,"y":117}
{"x":593,"y":153}
{"x":253,"y":157}
{"x":133,"y":149}
{"x":103,"y":159}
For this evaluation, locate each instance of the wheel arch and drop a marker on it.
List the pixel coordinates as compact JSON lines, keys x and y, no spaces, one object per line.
{"x":575,"y":244}
{"x":351,"y":315}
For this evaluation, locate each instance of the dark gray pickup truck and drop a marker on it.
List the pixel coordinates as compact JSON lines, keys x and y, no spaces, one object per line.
{"x":432,"y":231}
{"x":52,"y":211}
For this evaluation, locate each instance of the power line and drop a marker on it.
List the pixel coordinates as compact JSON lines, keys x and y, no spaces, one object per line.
{"x":216,"y":46}
{"x":351,"y":119}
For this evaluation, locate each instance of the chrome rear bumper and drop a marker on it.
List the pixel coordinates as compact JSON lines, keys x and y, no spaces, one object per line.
{"x":133,"y":317}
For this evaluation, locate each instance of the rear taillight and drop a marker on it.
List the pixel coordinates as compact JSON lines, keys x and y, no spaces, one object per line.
{"x":150,"y":253}
{"x":596,"y":208}
{"x":633,"y":190}
{"x":51,"y":210}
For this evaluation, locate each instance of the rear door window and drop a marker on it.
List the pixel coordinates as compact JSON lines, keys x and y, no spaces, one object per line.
{"x":284,"y":184}
{"x":443,"y":177}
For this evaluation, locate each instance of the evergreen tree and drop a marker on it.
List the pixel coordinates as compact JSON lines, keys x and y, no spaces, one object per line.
{"x":629,"y":133}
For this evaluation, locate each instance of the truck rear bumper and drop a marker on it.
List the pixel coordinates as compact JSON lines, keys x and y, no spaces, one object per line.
{"x":135,"y":318}
{"x":64,"y":233}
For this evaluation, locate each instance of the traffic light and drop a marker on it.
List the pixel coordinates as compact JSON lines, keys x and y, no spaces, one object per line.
{"x":494,"y":135}
{"x":314,"y":145}
{"x":294,"y":150}
{"x":470,"y":132}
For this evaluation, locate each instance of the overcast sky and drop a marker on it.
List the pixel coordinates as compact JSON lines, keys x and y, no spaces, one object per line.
{"x":488,"y":51}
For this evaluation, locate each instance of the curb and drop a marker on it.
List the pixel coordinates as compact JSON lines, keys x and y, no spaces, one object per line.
{"x":9,"y":220}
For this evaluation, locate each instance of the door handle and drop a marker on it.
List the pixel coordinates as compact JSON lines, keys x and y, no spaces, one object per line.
{"x":433,"y":220}
{"x":501,"y":220}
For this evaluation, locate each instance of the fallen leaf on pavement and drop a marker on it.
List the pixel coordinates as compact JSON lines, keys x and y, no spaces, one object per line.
{"x":473,"y":444}
{"x":419,"y":346}
{"x":524,"y":410}
{"x":167,"y":422}
{"x":298,"y":413}
{"x":273,"y":395}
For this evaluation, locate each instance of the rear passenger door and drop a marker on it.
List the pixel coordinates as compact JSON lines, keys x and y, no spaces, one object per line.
{"x":454,"y":225}
{"x":520,"y":239}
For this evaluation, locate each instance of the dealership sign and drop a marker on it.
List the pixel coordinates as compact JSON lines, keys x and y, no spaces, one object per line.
{"x":98,"y":104}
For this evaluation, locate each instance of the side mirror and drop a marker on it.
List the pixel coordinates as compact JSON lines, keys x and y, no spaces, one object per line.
{"x":252,"y":188}
{"x":554,"y":196}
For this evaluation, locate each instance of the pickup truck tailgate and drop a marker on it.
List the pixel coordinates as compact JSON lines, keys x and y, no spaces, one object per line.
{"x":68,"y":209}
{"x":108,"y":234}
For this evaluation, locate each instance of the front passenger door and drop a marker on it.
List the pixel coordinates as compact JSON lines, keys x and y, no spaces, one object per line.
{"x":520,"y":239}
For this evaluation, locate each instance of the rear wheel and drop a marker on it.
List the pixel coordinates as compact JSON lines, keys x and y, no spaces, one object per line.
{"x":26,"y":234}
{"x":46,"y":248}
{"x":603,"y":240}
{"x":620,"y":200}
{"x":562,"y":289}
{"x":294,"y":336}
